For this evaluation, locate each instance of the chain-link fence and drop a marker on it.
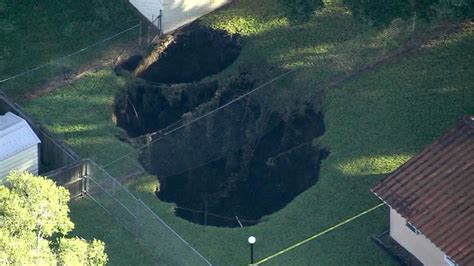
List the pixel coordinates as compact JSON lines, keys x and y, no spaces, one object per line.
{"x":167,"y":246}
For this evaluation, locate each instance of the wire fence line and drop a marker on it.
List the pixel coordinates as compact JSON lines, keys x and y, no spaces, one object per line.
{"x":216,"y":215}
{"x":34,"y":83}
{"x":155,"y":29}
{"x":71,"y":54}
{"x":166,"y":245}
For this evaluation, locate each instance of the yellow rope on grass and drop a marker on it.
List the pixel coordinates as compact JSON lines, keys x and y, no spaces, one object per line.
{"x":318,"y":234}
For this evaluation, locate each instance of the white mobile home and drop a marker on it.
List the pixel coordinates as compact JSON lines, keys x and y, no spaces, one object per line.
{"x":19,"y":145}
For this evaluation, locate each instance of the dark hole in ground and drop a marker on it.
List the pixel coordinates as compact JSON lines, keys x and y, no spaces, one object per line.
{"x":130,"y":63}
{"x":146,"y":108}
{"x":244,"y":161}
{"x":197,"y":52}
{"x":257,"y":179}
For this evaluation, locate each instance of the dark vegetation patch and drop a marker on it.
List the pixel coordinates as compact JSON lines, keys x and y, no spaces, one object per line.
{"x":197,"y":52}
{"x":300,"y":10}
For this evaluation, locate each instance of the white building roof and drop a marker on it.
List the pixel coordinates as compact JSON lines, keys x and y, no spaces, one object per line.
{"x":15,"y":135}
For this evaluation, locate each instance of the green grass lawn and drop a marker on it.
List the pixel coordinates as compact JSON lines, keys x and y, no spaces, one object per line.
{"x":81,"y":114}
{"x":374,"y":123}
{"x":91,"y":222}
{"x":35,"y":32}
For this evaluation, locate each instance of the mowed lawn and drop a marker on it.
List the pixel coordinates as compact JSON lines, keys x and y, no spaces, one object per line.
{"x":91,"y":222}
{"x":374,"y":124}
{"x":35,"y":32}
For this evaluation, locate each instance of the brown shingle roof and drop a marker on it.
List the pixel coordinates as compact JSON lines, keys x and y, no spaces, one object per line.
{"x":434,"y":191}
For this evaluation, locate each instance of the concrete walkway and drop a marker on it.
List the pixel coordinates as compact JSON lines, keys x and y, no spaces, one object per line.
{"x":176,"y":13}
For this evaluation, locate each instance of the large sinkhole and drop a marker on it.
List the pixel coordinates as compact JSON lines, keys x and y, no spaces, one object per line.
{"x":235,"y":166}
{"x":194,"y":53}
{"x":245,"y":177}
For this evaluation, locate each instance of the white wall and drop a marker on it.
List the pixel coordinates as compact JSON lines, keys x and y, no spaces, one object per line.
{"x":177,"y":13}
{"x":418,"y":245}
{"x":26,"y":160}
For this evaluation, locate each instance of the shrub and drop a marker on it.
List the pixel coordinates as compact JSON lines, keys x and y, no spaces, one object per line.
{"x":379,"y":12}
{"x":300,"y":10}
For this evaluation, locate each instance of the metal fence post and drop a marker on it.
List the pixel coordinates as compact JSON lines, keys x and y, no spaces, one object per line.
{"x":85,"y":174}
{"x":160,"y":22}
{"x":205,"y":212}
{"x":83,"y":185}
{"x":137,"y":224}
{"x":87,"y":183}
{"x":148,"y":31}
{"x":140,"y":34}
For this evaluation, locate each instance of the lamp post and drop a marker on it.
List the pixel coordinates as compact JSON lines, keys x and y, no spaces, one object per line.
{"x":251,"y":240}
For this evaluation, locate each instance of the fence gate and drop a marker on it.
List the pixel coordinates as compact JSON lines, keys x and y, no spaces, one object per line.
{"x":73,"y":177}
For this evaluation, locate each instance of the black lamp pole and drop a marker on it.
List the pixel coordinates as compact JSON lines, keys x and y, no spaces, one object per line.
{"x":251,"y":240}
{"x":251,"y":253}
